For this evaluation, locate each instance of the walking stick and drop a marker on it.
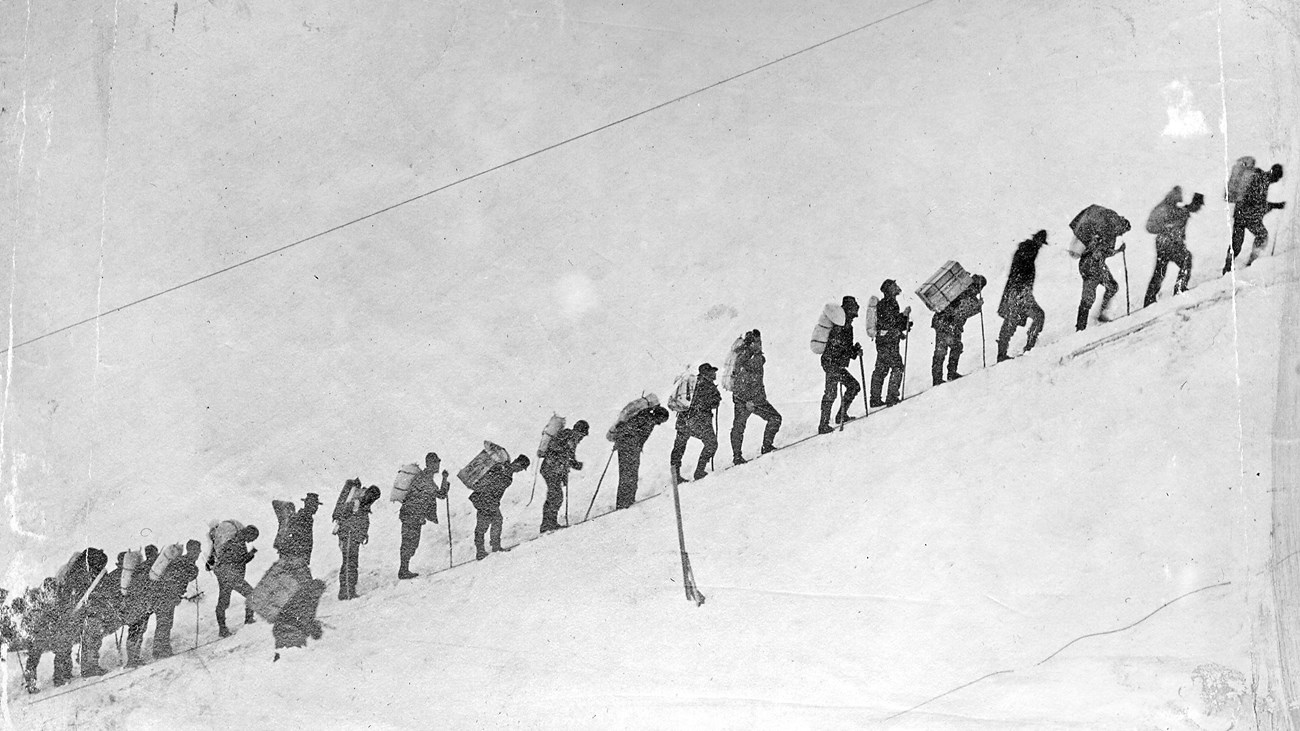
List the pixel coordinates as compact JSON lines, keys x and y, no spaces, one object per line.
{"x":602,"y":479}
{"x":903,"y":390}
{"x":450,"y":563}
{"x":688,"y":576}
{"x":536,"y":469}
{"x":566,"y":500}
{"x":715,"y":438}
{"x":862,"y":371}
{"x":1124,"y":254}
{"x":196,"y":612}
{"x":984,"y":347}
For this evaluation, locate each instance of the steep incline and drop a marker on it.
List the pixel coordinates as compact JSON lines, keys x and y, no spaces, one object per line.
{"x":977,"y":528}
{"x":153,"y":142}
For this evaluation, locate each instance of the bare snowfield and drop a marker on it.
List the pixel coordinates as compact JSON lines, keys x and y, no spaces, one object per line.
{"x":975,"y":529}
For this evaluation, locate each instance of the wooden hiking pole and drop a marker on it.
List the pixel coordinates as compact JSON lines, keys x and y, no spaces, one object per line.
{"x":533,"y":492}
{"x":903,"y":389}
{"x":602,"y":479}
{"x":688,"y":576}
{"x":450,"y":563}
{"x":984,"y":347}
{"x":1123,"y":251}
{"x":862,"y":372}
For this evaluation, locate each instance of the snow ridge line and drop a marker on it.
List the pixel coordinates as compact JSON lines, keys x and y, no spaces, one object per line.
{"x":1063,"y":649}
{"x":467,"y":178}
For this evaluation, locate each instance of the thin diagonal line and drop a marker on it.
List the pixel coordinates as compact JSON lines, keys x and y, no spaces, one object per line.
{"x":474,"y":176}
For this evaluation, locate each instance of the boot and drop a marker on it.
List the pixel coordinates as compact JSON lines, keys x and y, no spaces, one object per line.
{"x":405,"y":571}
{"x":222,"y":631}
{"x":824,"y":429}
{"x":738,"y":460}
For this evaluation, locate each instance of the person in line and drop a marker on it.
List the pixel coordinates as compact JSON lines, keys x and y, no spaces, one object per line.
{"x":354,"y":531}
{"x":949,"y":325}
{"x":696,"y":421}
{"x":230,"y":565}
{"x":629,"y":438}
{"x":419,"y":507}
{"x":1018,"y":305}
{"x":1248,"y":215}
{"x":749,"y":396}
{"x":1171,"y":244}
{"x":892,"y":326}
{"x":840,"y":349}
{"x":169,"y":592}
{"x":561,"y":456}
{"x":487,"y":501}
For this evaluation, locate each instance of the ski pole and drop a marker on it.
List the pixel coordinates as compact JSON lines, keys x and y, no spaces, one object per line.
{"x":450,"y":563}
{"x":984,"y":348}
{"x":602,"y":479}
{"x":1128,"y":307}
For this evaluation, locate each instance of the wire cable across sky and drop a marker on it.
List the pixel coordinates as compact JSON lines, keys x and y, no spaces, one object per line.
{"x":468,"y":178}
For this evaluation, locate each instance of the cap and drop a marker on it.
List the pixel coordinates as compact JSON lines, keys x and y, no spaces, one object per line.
{"x":706,"y":368}
{"x":580,"y":426}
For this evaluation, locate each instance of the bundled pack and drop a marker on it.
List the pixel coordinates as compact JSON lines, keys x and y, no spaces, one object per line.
{"x":831,"y":316}
{"x":683,"y":390}
{"x":1239,"y":180}
{"x":634,"y":407}
{"x":553,"y":427}
{"x":402,"y":485}
{"x":472,"y":473}
{"x":944,"y":286}
{"x":728,"y":373}
{"x":165,"y":558}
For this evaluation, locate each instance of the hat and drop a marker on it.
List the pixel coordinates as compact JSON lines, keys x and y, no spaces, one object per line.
{"x":979,"y":280}
{"x":707,"y":369}
{"x":849,"y":301}
{"x":581,"y":427}
{"x":1040,"y":237}
{"x":1197,"y":199}
{"x":885,"y":285}
{"x":251,"y":533}
{"x":312,"y":499}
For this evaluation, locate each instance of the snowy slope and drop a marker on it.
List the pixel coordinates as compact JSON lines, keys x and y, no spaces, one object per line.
{"x":152,"y":143}
{"x":977,"y":528}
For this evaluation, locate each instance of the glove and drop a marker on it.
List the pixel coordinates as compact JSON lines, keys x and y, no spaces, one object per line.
{"x":1121,"y":247}
{"x":857,"y":350}
{"x":577,"y":465}
{"x":1280,"y":205}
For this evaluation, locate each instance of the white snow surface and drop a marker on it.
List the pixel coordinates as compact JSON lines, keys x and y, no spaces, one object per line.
{"x":977,"y":528}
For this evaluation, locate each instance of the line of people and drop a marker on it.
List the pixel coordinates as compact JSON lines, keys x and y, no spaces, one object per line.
{"x":85,"y":603}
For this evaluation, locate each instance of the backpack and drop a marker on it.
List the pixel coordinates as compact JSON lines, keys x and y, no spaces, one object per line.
{"x":165,"y":558}
{"x":1158,"y":221}
{"x":402,"y":485}
{"x":346,"y":505}
{"x":869,"y":320}
{"x":831,"y":315}
{"x":218,"y":535}
{"x":485,"y":460}
{"x":130,"y":560}
{"x":1239,"y":180}
{"x":553,"y":427}
{"x":634,"y":407}
{"x":728,"y":374}
{"x":683,"y":391}
{"x":284,"y":510}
